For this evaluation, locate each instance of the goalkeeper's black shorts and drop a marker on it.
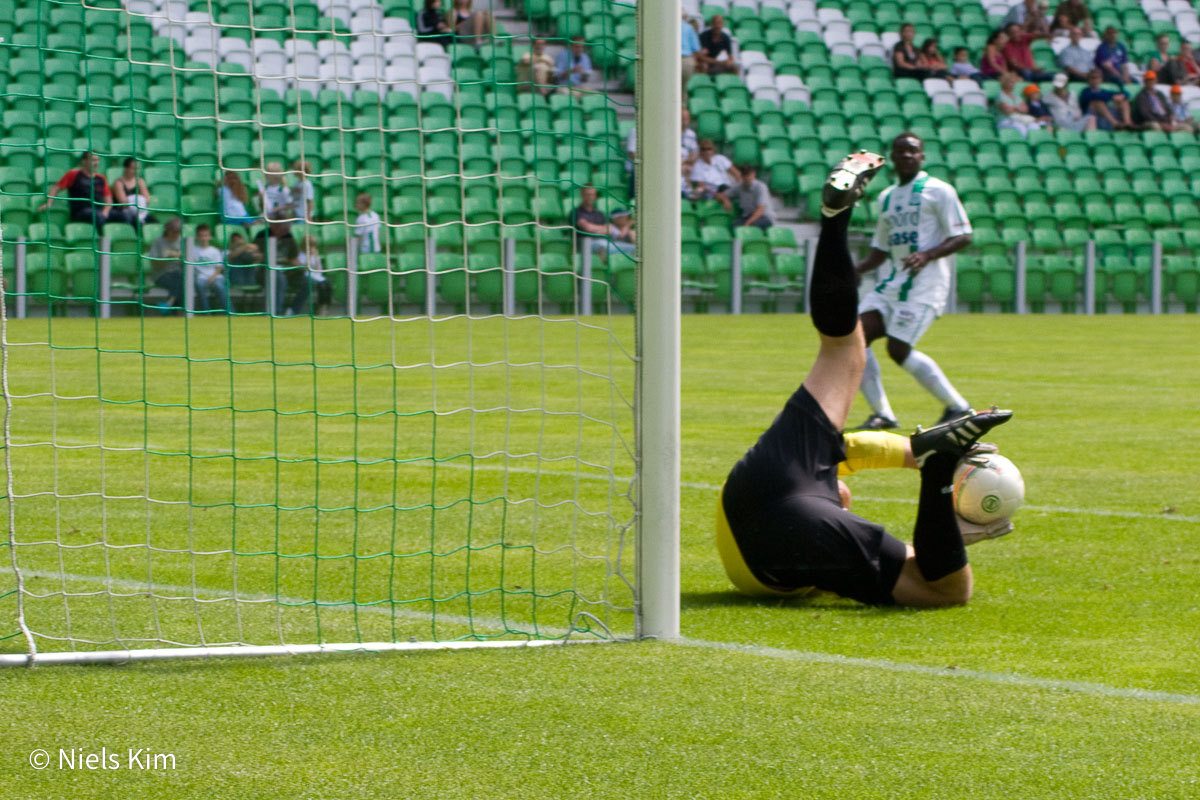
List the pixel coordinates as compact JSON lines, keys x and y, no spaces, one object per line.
{"x":785,"y":531}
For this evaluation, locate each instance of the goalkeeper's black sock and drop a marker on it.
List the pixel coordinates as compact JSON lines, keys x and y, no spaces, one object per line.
{"x":936,"y":539}
{"x":834,"y":288}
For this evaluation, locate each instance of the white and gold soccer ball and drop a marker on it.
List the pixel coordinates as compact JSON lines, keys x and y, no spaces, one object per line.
{"x":987,"y":487}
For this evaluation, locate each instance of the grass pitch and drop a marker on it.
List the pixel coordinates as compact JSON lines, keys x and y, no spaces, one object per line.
{"x":1071,"y":674}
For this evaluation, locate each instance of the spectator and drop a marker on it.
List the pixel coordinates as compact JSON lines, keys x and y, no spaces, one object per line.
{"x":243,"y":260}
{"x":1152,"y":111}
{"x":1077,"y":15}
{"x":1065,"y":110}
{"x":753,"y":199}
{"x":234,"y":200}
{"x":716,"y":49}
{"x":689,"y":147}
{"x":1013,"y":111}
{"x":994,"y":63}
{"x":1111,"y":109}
{"x":1020,"y":55}
{"x":1187,"y":60}
{"x":1172,"y":70}
{"x":602,"y":236}
{"x":1061,"y":26}
{"x":166,"y":264}
{"x":367,"y":227}
{"x":930,"y":59}
{"x":130,"y":195}
{"x":1112,"y":58}
{"x":273,"y":194}
{"x":286,"y":273}
{"x":689,"y":43}
{"x":573,"y":68}
{"x":1076,"y":61}
{"x":1037,"y":107}
{"x":1179,"y":111}
{"x":536,"y":69}
{"x":962,"y":67}
{"x":87,"y":189}
{"x":711,"y":175}
{"x":207,"y":268}
{"x":432,"y":25}
{"x":1162,"y":54}
{"x":471,"y":23}
{"x":302,"y":192}
{"x":310,"y":257}
{"x":1022,"y":13}
{"x":905,"y":56}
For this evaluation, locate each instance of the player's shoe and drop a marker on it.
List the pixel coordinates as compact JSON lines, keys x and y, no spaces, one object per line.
{"x":848,"y":180}
{"x":878,"y":422}
{"x":957,"y":437}
{"x":951,"y":414}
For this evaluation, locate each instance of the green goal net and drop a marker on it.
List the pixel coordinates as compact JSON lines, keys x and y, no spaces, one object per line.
{"x":324,"y":359}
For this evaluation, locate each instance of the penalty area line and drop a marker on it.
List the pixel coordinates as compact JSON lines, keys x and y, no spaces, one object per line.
{"x":986,"y":676}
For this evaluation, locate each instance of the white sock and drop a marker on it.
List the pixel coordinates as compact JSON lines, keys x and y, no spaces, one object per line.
{"x":872,"y":387}
{"x":930,"y":375}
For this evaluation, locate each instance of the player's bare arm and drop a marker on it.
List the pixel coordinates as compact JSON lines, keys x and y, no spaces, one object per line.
{"x":872,"y":261}
{"x":915,"y":262}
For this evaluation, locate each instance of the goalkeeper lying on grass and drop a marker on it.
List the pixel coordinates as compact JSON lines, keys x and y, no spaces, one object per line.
{"x":783,"y":527}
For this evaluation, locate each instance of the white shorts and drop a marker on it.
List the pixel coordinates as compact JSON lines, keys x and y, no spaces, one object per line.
{"x":903,"y":320}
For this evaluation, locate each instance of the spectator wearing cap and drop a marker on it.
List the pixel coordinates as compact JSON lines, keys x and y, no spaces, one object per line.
{"x":1152,"y":111}
{"x":715,"y":55}
{"x":1064,"y":108}
{"x":1112,"y":58}
{"x":1075,"y":60}
{"x":1013,"y":111}
{"x":1037,"y":106}
{"x":1077,"y":14}
{"x":1179,"y":109}
{"x":1020,"y":54}
{"x":1110,"y":108}
{"x":753,"y":200}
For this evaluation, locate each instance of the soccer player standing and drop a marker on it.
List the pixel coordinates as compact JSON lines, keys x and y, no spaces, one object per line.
{"x":921,"y":225}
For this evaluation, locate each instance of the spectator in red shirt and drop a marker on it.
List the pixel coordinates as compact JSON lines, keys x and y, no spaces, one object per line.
{"x":1020,"y":55}
{"x":88,"y":190}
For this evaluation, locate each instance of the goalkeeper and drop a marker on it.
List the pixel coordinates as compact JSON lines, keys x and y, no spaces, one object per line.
{"x":781,"y":525}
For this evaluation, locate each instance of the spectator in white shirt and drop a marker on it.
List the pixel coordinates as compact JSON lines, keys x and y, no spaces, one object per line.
{"x":310,"y":257}
{"x":208,"y":266}
{"x":274,"y":195}
{"x":303,"y":194}
{"x":1064,"y":107}
{"x":712,"y":175}
{"x":367,"y":226}
{"x":1075,"y":61}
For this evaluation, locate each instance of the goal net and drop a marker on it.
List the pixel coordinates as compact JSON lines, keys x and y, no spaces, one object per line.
{"x":325,"y":360}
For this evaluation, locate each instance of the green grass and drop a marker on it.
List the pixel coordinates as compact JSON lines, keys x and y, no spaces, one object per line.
{"x":1022,"y":693}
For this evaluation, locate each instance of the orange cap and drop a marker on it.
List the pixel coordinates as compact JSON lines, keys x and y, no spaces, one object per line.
{"x":1030,"y":89}
{"x":1151,"y":74}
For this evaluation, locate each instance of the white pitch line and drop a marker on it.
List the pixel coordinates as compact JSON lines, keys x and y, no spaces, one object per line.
{"x":186,"y":593}
{"x":703,"y":487}
{"x":1004,"y":678}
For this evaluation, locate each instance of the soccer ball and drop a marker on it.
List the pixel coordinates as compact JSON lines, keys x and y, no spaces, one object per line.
{"x":987,"y":487}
